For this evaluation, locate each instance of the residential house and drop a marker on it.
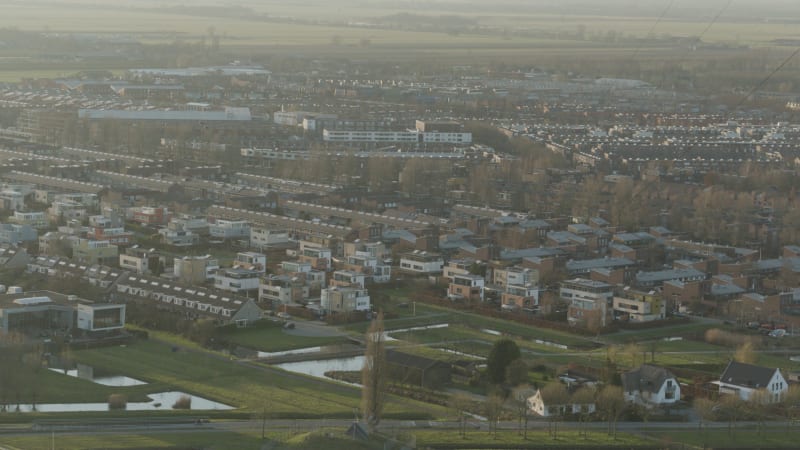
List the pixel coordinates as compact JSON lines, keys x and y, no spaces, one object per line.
{"x":318,"y":257}
{"x":15,"y":234}
{"x":237,"y":280}
{"x":87,"y":251}
{"x":283,"y":289}
{"x":749,"y":382}
{"x":589,"y":302}
{"x":651,"y":385}
{"x":229,"y":229}
{"x":422,"y":263}
{"x":193,"y":270}
{"x":543,"y":406}
{"x":637,"y":306}
{"x":261,"y":237}
{"x":251,"y":261}
{"x":344,"y":299}
{"x":520,"y":297}
{"x":151,"y":216}
{"x":142,"y":261}
{"x":188,"y":300}
{"x":66,"y":210}
{"x":36,"y":219}
{"x":348,"y":278}
{"x":466,"y":287}
{"x":178,"y":237}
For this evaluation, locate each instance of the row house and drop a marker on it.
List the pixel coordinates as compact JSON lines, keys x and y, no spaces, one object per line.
{"x":194,"y":302}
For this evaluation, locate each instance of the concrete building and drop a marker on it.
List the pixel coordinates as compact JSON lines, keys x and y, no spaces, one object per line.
{"x":262,"y":237}
{"x":36,"y":219}
{"x":589,"y":302}
{"x":87,"y":251}
{"x":467,"y":287}
{"x":636,"y":306}
{"x":142,"y":261}
{"x":422,"y":263}
{"x":229,"y":229}
{"x":251,"y":261}
{"x":15,"y":234}
{"x":348,"y":278}
{"x":193,"y":270}
{"x":344,"y":299}
{"x":44,"y":310}
{"x":239,"y":281}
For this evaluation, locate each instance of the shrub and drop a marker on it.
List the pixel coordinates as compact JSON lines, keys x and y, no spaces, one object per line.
{"x":117,"y":401}
{"x":183,"y":402}
{"x":729,"y":339}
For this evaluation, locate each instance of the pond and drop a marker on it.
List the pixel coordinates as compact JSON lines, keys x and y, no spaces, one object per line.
{"x":116,"y":380}
{"x":319,"y":367}
{"x":161,"y":401}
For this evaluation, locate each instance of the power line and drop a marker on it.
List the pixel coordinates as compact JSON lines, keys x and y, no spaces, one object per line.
{"x":767,"y":78}
{"x":714,"y":20}
{"x":652,"y":28}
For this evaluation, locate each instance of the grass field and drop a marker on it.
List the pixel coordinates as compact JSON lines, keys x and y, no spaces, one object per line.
{"x":510,"y":438}
{"x":247,"y":387}
{"x":739,"y":438}
{"x":191,"y":439}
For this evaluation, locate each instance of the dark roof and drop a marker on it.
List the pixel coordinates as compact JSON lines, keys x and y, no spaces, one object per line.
{"x":748,"y":375}
{"x":408,"y":360}
{"x":645,"y":378}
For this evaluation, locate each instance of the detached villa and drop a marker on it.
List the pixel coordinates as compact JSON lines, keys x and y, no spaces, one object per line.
{"x":650,"y":385}
{"x":747,"y":380}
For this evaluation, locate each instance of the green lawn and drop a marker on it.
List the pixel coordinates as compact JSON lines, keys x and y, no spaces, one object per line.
{"x":566,"y":439}
{"x":245,"y":386}
{"x":195,"y":439}
{"x":739,"y":438}
{"x":269,"y":336}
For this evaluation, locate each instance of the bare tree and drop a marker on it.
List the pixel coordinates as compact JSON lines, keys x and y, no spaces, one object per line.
{"x":584,"y":397}
{"x":460,"y":403}
{"x":613,"y":404}
{"x":556,"y":399}
{"x":494,"y":408}
{"x":374,"y":373}
{"x":521,"y":394}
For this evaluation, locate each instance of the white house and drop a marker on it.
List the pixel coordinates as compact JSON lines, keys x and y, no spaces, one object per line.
{"x":344,"y":299}
{"x":541,"y":405}
{"x":745,"y":380}
{"x":650,"y":385}
{"x":236,"y":280}
{"x":229,"y":229}
{"x":422,"y":262}
{"x":261,"y":237}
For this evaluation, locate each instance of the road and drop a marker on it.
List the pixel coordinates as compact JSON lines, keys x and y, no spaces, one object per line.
{"x":386,"y":426}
